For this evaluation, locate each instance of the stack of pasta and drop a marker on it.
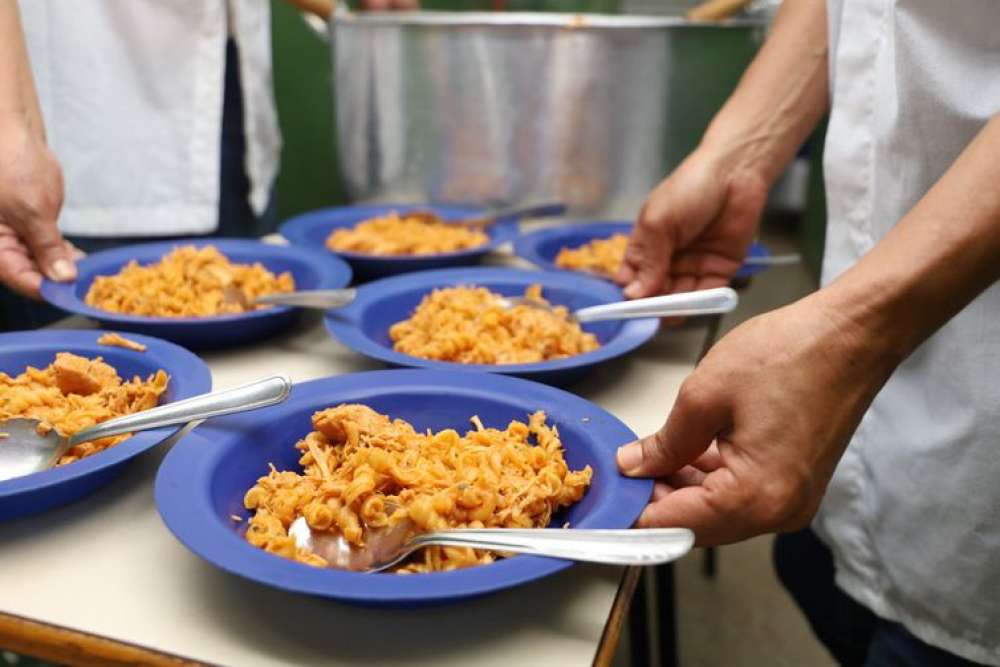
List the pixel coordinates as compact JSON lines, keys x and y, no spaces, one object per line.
{"x":600,"y":256}
{"x":75,"y":392}
{"x":364,"y":471}
{"x":469,"y":325}
{"x":396,"y":234}
{"x":187,"y":282}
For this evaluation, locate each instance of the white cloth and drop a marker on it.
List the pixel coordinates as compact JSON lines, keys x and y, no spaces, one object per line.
{"x":913,"y":512}
{"x":131,"y":93}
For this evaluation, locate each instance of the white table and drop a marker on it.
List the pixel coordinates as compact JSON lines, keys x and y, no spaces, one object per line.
{"x":109,"y":573}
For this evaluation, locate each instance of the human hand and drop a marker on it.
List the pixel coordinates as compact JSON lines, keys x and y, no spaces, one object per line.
{"x":757,"y":429}
{"x":694,"y":229}
{"x":31,"y":194}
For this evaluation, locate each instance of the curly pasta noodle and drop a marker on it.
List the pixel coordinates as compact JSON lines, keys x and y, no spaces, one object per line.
{"x":365,"y":471}
{"x":396,"y":234}
{"x":187,"y":282}
{"x":601,"y":256}
{"x":468,"y":326}
{"x":75,"y":392}
{"x":112,"y":339}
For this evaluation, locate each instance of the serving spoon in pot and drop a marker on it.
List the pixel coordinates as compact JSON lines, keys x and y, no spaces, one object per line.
{"x":700,"y":302}
{"x":27,"y":446}
{"x":388,"y":547}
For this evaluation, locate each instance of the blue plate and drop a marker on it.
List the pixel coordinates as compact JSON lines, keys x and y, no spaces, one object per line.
{"x":189,"y":376}
{"x":312,"y":269}
{"x":364,"y":325}
{"x":312,"y":229}
{"x":204,"y":477}
{"x":541,"y":247}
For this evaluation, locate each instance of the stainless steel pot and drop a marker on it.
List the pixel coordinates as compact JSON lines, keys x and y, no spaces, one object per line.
{"x":494,"y":107}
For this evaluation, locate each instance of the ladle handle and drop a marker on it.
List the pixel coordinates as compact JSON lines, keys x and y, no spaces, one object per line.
{"x":643,"y":546}
{"x":257,"y":394}
{"x":700,"y":302}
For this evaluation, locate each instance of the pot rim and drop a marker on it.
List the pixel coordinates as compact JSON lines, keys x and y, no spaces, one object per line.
{"x":579,"y":21}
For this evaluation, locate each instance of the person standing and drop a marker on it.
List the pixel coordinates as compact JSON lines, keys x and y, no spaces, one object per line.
{"x":864,"y":419}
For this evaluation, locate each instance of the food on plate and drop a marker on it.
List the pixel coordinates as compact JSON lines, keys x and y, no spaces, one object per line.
{"x":117,"y":340}
{"x":186,"y":282}
{"x":363,"y":471}
{"x":75,"y":392}
{"x":601,"y":256}
{"x":468,"y":325}
{"x":400,"y":234}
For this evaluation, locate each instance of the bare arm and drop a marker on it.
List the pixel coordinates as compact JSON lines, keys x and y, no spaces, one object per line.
{"x":31,"y":186}
{"x":782,"y":394}
{"x":695,"y":227}
{"x":17,"y":87}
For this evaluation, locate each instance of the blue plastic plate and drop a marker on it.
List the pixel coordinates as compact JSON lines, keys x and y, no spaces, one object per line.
{"x":204,"y":477}
{"x":541,"y":247}
{"x":312,"y":229}
{"x":364,"y":325}
{"x":189,"y":376}
{"x":312,"y":269}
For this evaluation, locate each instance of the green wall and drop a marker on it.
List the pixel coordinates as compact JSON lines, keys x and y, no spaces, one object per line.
{"x":309,"y":176}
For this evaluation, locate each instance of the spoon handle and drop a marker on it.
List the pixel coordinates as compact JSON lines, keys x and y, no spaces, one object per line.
{"x":773,"y":260}
{"x":322,"y":299}
{"x":701,"y":302}
{"x":640,"y":546}
{"x":525,"y":210}
{"x":257,"y":394}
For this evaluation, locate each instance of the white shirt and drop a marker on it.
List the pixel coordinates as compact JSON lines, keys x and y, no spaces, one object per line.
{"x":131,"y":93}
{"x":913,"y":512}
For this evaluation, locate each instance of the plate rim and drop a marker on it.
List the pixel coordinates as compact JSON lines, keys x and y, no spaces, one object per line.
{"x":196,"y":379}
{"x":341,"y":323}
{"x":186,"y":508}
{"x":334,"y":273}
{"x":294,"y":229}
{"x":526,"y":245}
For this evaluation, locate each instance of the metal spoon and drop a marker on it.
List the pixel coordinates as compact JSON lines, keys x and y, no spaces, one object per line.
{"x":320,"y":299}
{"x":385,"y":548}
{"x":700,"y":302}
{"x":24,"y":450}
{"x":773,"y":260}
{"x":490,"y":216}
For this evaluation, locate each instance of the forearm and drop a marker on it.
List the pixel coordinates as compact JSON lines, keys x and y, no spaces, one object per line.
{"x":780,"y":98}
{"x":938,"y":258}
{"x":18,"y":99}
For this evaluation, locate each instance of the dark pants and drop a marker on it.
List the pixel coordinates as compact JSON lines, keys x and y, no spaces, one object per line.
{"x":850,"y":631}
{"x":235,"y":215}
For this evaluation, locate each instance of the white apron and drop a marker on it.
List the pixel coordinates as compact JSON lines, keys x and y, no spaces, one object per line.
{"x":913,"y":512}
{"x":131,"y":93}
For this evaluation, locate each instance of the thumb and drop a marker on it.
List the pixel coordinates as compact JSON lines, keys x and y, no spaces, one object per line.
{"x":696,"y":418}
{"x":50,"y":251}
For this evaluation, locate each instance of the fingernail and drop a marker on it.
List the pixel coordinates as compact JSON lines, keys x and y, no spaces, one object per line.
{"x":629,"y":457}
{"x":63,"y":270}
{"x":632,"y":290}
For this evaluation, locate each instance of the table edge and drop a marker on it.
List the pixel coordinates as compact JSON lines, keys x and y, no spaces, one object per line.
{"x":76,"y":648}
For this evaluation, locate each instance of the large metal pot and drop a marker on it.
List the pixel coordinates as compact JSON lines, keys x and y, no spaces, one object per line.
{"x":495,"y":107}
